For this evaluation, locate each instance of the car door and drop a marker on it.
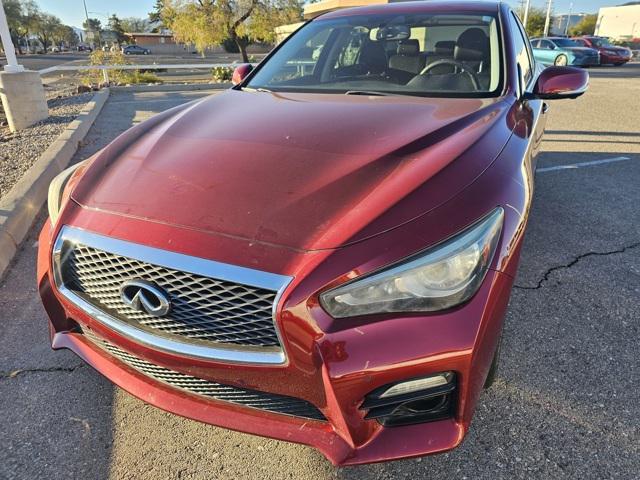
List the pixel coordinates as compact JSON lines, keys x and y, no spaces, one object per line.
{"x":547,"y":51}
{"x":530,"y":117}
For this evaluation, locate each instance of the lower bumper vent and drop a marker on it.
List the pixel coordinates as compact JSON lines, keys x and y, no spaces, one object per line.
{"x":249,"y":398}
{"x":418,"y":400}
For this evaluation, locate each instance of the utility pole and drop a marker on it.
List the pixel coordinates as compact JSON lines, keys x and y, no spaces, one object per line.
{"x":526,"y":14}
{"x":86,"y":15}
{"x":547,"y":22}
{"x":566,"y":27}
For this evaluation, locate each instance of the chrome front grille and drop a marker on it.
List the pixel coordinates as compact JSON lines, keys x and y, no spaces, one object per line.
{"x":249,"y":398}
{"x":225,"y":308}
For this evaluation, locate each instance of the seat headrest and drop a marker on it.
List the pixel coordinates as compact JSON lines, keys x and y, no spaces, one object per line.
{"x":373,"y":56}
{"x":472,"y":45}
{"x":445,"y":47}
{"x":408,"y":47}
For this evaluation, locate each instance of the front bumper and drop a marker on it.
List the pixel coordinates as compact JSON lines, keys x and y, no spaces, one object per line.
{"x":332,"y":370}
{"x":606,"y":58}
{"x":586,"y":61}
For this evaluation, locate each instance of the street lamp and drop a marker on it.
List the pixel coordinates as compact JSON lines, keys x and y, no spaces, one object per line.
{"x":21,"y":91}
{"x":12,"y":65}
{"x":566,"y":27}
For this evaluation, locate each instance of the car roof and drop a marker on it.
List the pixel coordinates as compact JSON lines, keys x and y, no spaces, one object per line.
{"x":436,"y":6}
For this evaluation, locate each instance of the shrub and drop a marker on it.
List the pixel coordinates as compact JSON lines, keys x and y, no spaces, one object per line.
{"x":222,"y":74}
{"x":99,"y":57}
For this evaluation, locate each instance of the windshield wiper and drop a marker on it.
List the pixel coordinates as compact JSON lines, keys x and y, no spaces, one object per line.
{"x":371,"y":93}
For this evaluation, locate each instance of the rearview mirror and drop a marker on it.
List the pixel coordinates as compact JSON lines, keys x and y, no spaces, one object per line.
{"x":240,"y":73}
{"x":561,"y":82}
{"x":393,"y":32}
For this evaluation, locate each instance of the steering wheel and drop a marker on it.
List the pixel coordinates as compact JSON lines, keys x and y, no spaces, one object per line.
{"x":461,"y":66}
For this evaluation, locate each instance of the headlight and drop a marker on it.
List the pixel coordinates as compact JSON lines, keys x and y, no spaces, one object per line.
{"x":438,"y":278}
{"x":56,"y":190}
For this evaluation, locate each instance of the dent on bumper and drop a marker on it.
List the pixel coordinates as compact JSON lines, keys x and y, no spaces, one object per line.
{"x":352,"y":362}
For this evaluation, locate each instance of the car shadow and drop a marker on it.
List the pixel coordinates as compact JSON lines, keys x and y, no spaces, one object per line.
{"x":56,"y":411}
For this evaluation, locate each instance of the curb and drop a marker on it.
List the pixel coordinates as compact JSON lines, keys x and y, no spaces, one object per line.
{"x":18,"y":209}
{"x":173,"y":87}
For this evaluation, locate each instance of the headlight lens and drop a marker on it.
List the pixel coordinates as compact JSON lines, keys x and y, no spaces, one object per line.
{"x":56,"y":190}
{"x":439,"y":278}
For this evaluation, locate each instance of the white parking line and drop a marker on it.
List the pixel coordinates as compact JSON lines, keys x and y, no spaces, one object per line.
{"x":581,"y":165}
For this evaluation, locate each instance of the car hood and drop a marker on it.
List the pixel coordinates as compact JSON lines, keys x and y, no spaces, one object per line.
{"x":306,"y":171}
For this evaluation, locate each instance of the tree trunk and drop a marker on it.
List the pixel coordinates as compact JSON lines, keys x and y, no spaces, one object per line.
{"x":241,"y":45}
{"x":243,"y":50}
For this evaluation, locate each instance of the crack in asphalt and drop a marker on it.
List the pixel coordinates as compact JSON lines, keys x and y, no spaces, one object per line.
{"x":577,"y":259}
{"x":20,"y":371}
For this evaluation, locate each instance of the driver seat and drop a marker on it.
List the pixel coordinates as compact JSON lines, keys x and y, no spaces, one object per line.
{"x":472,"y":50}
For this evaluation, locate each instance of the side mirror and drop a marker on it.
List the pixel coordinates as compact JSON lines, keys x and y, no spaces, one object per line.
{"x":555,"y":83}
{"x":241,"y":72}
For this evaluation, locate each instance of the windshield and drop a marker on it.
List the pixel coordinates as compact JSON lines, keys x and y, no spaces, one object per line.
{"x":453,"y":55}
{"x":565,"y":42}
{"x":601,"y":42}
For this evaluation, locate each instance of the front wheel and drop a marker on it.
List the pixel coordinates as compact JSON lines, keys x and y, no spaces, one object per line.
{"x":561,"y":61}
{"x":619,"y":64}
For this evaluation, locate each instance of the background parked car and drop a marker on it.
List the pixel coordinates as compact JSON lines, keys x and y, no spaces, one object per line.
{"x":563,"y":51}
{"x":609,"y":53}
{"x":135,"y":50}
{"x":84,"y":48}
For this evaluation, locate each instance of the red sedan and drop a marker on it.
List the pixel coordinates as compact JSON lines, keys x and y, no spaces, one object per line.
{"x":323,"y":253}
{"x":609,"y":54}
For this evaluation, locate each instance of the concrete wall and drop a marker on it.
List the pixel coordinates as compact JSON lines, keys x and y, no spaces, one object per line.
{"x":312,"y":10}
{"x":620,"y":23}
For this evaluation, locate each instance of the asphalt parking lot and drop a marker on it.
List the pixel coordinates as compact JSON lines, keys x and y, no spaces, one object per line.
{"x":566,"y":403}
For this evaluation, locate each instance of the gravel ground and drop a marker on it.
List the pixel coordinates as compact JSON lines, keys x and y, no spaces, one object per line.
{"x":20,"y":150}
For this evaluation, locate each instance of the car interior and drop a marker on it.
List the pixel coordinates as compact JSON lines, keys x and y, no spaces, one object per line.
{"x":424,"y":54}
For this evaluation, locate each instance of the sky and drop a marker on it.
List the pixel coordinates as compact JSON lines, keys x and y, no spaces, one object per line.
{"x":71,"y":12}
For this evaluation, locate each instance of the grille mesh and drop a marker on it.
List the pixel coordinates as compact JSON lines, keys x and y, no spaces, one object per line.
{"x":203,"y":308}
{"x":248,"y":398}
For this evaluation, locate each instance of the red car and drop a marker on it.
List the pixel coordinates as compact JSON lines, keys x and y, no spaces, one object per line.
{"x":609,"y":54}
{"x":324,"y":253}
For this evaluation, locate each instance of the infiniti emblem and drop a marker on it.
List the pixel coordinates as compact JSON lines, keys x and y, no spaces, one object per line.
{"x":145,"y":297}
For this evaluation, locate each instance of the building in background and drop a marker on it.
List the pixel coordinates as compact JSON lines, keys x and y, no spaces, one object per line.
{"x":158,"y":43}
{"x":619,"y":23}
{"x":312,"y":10}
{"x":559,"y":25}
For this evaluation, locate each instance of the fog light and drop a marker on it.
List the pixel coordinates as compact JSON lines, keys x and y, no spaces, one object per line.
{"x":412,"y":401}
{"x":411,"y":386}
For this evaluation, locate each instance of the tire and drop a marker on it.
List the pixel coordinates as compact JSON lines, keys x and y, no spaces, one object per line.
{"x":560,"y":61}
{"x":619,"y":64}
{"x":493,"y":369}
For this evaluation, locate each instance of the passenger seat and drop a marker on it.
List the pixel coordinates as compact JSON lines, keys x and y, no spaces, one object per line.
{"x":408,"y":58}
